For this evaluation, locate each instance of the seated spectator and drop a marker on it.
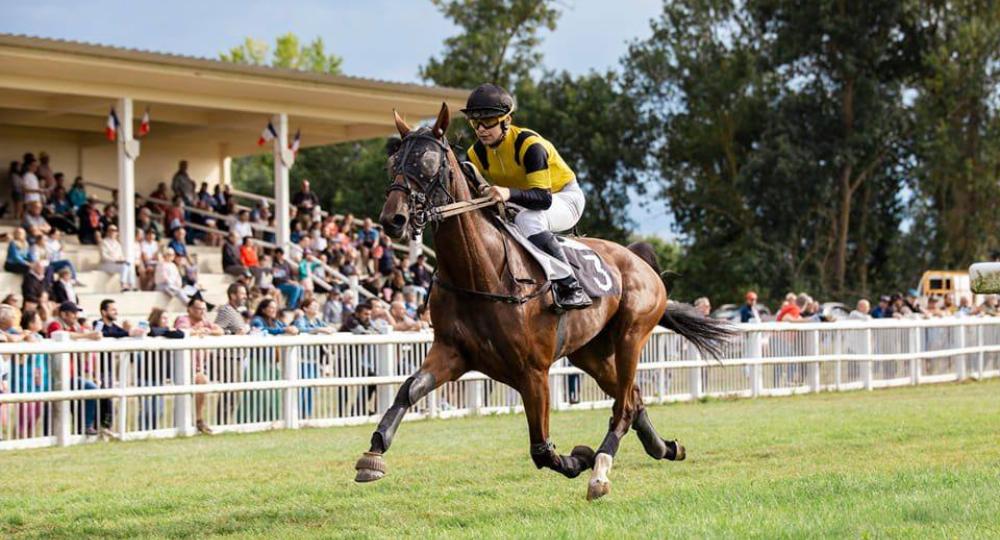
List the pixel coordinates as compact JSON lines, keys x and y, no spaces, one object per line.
{"x":248,"y":253}
{"x":242,"y":226}
{"x":161,"y":204}
{"x":89,"y":221}
{"x":19,"y":255}
{"x":109,"y":217}
{"x":420,"y":275}
{"x":231,"y":263}
{"x":333,"y":309}
{"x":387,"y":258}
{"x":749,"y":312}
{"x":265,"y":319}
{"x":861,"y":312}
{"x":310,"y":322}
{"x":64,"y":288}
{"x":77,"y":193}
{"x":173,"y":216}
{"x":424,"y":317}
{"x":145,"y":223}
{"x":178,"y":242}
{"x":52,"y":248}
{"x":168,"y":277}
{"x":401,"y":321}
{"x":34,"y":222}
{"x":59,"y":212}
{"x":284,"y":279}
{"x":108,"y":325}
{"x":34,"y":286}
{"x":113,"y":261}
{"x":149,"y":255}
{"x":204,"y":196}
{"x":367,"y":239}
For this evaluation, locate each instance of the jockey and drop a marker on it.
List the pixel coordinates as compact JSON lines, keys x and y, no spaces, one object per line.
{"x":526,"y":171}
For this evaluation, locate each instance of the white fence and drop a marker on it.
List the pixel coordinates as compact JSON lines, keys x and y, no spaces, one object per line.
{"x":56,"y":392}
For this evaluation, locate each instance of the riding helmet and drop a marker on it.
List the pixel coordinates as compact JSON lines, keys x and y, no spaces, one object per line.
{"x":488,"y":100}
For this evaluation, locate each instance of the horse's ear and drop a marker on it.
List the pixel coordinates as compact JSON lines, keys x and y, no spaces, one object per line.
{"x":441,"y":125}
{"x":401,"y":126}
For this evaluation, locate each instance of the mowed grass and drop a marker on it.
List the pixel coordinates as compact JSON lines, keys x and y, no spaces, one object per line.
{"x":912,"y":462}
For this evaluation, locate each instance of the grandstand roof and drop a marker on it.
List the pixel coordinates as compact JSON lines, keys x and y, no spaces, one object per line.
{"x":67,"y":85}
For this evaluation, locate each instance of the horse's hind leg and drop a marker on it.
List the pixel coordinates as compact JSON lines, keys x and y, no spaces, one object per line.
{"x":655,"y":446}
{"x":442,"y":364}
{"x":535,"y":396}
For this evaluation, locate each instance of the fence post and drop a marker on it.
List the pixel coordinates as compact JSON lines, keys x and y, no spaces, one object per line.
{"x":980,"y":357}
{"x":63,"y":420}
{"x":960,"y":371}
{"x":838,"y":349}
{"x":756,"y":369}
{"x":556,"y":389}
{"x":385,"y":367}
{"x":661,"y":374}
{"x":290,"y":372}
{"x":915,"y":349}
{"x":182,"y":402}
{"x":474,"y":396}
{"x":697,"y":392}
{"x":123,"y":375}
{"x":432,"y":404}
{"x":813,"y":370}
{"x":869,"y":351}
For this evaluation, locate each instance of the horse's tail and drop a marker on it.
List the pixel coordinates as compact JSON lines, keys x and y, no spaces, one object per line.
{"x":707,"y":335}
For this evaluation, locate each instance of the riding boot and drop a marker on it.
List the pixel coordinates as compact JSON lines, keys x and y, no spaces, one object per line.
{"x":568,"y":292}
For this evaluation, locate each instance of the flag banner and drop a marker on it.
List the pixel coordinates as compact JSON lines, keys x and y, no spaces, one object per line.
{"x":112,"y":128}
{"x":144,"y":125}
{"x":294,"y":145}
{"x":268,"y":134}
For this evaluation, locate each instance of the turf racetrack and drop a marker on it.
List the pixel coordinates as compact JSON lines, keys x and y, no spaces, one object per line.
{"x":911,"y":462}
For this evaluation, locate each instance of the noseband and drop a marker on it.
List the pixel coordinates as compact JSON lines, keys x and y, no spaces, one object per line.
{"x":421,"y":200}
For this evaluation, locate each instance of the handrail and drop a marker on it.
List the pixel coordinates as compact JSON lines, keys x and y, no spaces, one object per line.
{"x":205,"y":213}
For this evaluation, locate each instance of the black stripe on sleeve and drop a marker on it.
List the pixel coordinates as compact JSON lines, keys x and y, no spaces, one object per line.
{"x":519,"y":142}
{"x":480,"y":149}
{"x":536,"y":158}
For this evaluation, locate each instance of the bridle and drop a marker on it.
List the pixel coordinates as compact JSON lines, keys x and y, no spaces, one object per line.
{"x":432,"y":186}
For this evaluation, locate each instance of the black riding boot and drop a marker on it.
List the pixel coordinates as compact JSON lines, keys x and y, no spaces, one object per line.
{"x":568,"y":292}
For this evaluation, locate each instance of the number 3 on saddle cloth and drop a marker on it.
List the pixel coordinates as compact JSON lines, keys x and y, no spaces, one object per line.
{"x":588,"y":267}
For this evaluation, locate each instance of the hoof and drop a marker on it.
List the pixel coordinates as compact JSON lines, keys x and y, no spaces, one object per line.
{"x":585,"y":454}
{"x":370,"y":467}
{"x":675,"y":451}
{"x":597,"y":489}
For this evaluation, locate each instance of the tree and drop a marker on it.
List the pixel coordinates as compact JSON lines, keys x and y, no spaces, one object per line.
{"x":288,"y":53}
{"x":498,"y":43}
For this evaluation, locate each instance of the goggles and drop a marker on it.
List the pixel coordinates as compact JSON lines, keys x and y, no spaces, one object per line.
{"x":488,"y":123}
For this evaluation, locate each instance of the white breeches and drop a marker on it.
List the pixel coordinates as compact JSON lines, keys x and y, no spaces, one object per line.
{"x":567,"y":207}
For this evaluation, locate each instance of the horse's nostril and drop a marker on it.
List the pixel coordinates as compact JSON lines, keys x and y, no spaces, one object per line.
{"x":399,"y":220}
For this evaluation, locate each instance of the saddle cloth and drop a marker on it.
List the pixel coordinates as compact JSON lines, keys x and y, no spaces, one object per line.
{"x":594,"y":275}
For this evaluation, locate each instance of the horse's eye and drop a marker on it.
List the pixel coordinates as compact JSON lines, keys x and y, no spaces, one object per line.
{"x":391,"y":165}
{"x":430,"y":162}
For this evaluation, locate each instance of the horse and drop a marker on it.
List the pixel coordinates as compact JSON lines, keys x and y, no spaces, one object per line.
{"x":488,"y":317}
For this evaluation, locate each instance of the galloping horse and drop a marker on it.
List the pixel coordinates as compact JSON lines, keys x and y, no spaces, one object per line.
{"x":488,"y":318}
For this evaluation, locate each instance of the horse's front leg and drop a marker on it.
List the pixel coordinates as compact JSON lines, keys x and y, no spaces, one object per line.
{"x":441,"y":365}
{"x":535,"y":396}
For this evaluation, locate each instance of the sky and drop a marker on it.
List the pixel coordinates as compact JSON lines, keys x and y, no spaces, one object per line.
{"x":377,"y":38}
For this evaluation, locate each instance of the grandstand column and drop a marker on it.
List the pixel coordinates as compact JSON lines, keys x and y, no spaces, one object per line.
{"x":283,"y":159}
{"x":128,"y":151}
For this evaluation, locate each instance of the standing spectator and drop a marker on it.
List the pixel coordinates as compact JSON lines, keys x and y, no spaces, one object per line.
{"x":67,"y":320}
{"x":333,"y":309}
{"x":934,"y":310}
{"x":283,"y":274}
{"x":242,"y":226}
{"x":47,"y":179}
{"x":17,"y":188}
{"x":792,"y":311}
{"x":368,"y":238}
{"x":31,"y":375}
{"x":149,"y":254}
{"x":402,"y":321}
{"x":749,"y":312}
{"x":305,"y":200}
{"x":421,"y":276}
{"x":386,"y":259}
{"x":29,"y":179}
{"x":113,"y":261}
{"x":230,"y":316}
{"x":108,"y":324}
{"x":19,"y":255}
{"x":360,"y":322}
{"x":77,"y":193}
{"x":991,"y":306}
{"x":159,"y":326}
{"x":965,"y":308}
{"x":703,"y":306}
{"x":882,"y":310}
{"x":182,"y":184}
{"x":195,"y":324}
{"x":861,"y":312}
{"x":168,"y":278}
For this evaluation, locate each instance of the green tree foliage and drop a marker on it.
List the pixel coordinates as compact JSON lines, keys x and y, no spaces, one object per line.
{"x":498,"y":43}
{"x":288,"y":53}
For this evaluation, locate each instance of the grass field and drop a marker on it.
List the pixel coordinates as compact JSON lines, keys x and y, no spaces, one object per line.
{"x":911,"y":462}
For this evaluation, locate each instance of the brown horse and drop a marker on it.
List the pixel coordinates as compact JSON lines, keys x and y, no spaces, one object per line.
{"x":488,"y":317}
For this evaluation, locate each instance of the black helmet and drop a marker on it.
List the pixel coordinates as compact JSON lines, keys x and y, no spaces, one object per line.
{"x":488,"y":100}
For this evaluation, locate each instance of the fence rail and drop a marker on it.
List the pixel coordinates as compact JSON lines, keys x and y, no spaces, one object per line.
{"x":61,"y":392}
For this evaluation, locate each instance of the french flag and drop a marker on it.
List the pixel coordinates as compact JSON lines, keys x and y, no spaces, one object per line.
{"x":112,"y":128}
{"x":268,"y":134}
{"x":144,"y":124}
{"x":294,"y":145}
